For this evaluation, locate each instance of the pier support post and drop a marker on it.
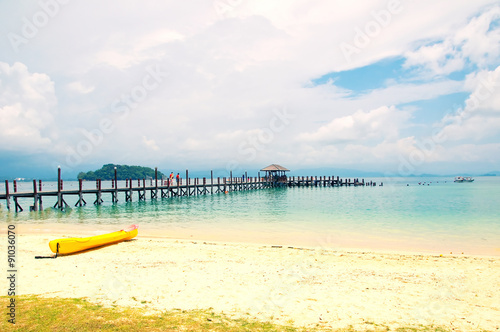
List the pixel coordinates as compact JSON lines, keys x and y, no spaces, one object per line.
{"x":212,"y":182}
{"x":163,"y":194}
{"x":40,"y":203}
{"x":60,"y":200}
{"x":230,"y":180}
{"x":35,"y":197}
{"x":7,"y":197}
{"x":178,"y":186}
{"x":18,"y":207}
{"x":98,"y":199}
{"x":59,"y":195}
{"x":154,"y":193}
{"x":80,"y":201}
{"x":115,"y":194}
{"x":128,"y":193}
{"x":142,"y":197}
{"x":144,"y":189}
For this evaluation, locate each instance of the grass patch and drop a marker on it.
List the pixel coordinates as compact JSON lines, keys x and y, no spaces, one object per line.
{"x":34,"y":313}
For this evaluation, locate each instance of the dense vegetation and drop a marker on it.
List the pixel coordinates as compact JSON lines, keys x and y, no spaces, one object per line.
{"x":107,"y":172}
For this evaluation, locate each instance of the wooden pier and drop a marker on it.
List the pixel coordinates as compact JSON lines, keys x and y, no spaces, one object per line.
{"x":325,"y":181}
{"x":164,"y":188}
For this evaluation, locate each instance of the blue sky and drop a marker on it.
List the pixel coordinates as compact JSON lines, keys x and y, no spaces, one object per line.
{"x":369,"y":77}
{"x":238,"y":85}
{"x":391,"y":71}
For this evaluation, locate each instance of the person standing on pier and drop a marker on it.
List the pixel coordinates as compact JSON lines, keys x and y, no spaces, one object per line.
{"x":177,"y":177}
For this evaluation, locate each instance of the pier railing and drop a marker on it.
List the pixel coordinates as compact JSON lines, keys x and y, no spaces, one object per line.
{"x":163,"y":188}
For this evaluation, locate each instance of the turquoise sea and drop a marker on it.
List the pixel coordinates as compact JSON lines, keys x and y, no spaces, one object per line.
{"x":436,"y":215}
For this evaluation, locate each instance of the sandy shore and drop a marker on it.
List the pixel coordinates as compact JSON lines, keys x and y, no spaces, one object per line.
{"x":309,"y":286}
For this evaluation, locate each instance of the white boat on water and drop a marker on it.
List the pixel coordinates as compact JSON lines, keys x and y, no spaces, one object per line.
{"x":463,"y":179}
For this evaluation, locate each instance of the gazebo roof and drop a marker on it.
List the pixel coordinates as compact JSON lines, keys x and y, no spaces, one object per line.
{"x":274,"y":167}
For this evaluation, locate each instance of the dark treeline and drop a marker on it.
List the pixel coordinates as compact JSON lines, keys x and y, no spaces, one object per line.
{"x":107,"y":172}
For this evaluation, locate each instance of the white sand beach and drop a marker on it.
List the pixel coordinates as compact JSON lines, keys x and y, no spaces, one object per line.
{"x":306,"y":286}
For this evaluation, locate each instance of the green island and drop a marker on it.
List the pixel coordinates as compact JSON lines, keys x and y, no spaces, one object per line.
{"x":107,"y":172}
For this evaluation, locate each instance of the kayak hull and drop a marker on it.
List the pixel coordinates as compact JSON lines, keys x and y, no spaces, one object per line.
{"x":72,"y":245}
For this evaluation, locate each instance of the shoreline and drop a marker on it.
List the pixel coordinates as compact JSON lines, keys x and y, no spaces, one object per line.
{"x":309,"y":286}
{"x":247,"y":234}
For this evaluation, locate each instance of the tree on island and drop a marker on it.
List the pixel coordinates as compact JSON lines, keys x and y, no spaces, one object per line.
{"x":107,"y":172}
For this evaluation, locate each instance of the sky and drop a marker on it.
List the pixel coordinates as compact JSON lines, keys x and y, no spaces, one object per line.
{"x":399,"y":86}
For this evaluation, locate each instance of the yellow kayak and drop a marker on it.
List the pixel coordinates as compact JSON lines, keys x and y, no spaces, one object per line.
{"x":71,"y":245}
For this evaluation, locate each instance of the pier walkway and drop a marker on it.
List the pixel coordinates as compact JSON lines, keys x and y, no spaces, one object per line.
{"x":160,"y":188}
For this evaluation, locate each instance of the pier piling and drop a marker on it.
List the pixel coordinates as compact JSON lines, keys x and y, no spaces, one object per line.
{"x":154,"y":193}
{"x":80,"y":201}
{"x":35,"y":197}
{"x":7,"y":196}
{"x":60,"y":204}
{"x":115,"y":186}
{"x":212,"y":182}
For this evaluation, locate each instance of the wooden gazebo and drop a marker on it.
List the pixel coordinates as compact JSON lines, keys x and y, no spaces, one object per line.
{"x":275,"y":173}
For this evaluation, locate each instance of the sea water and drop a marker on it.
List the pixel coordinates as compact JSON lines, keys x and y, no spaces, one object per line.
{"x":415,"y":214}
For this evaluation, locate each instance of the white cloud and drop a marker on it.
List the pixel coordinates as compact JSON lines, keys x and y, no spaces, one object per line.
{"x":123,"y":51}
{"x":150,"y":144}
{"x":80,"y":88}
{"x":228,"y":71}
{"x":379,"y":124}
{"x":485,"y":87}
{"x":480,"y":42}
{"x":476,"y":153}
{"x":476,"y":42}
{"x":27,"y":104}
{"x":480,"y":118}
{"x":440,"y":58}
